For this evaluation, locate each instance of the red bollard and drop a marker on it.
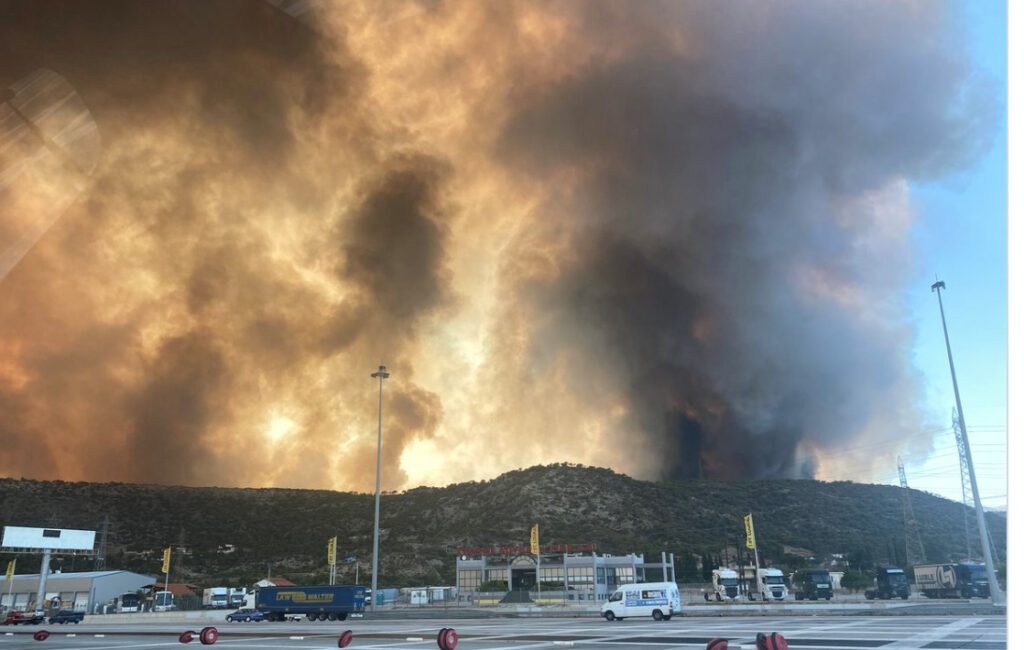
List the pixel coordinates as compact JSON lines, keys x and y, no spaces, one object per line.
{"x":41,"y":635}
{"x":345,"y":639}
{"x":447,"y":639}
{"x":773,"y":641}
{"x":186,"y":637}
{"x":717,"y":644}
{"x":208,"y":635}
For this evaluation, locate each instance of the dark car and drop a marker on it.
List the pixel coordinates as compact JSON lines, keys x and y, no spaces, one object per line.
{"x":67,"y":616}
{"x":244,"y":615}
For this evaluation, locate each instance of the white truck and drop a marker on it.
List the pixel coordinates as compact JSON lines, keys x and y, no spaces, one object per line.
{"x":236,"y":597}
{"x":215,"y":598}
{"x":725,"y":584}
{"x":771,"y":585}
{"x":659,"y":600}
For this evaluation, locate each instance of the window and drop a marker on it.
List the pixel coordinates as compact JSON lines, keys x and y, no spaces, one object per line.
{"x":652,"y":593}
{"x":624,"y":574}
{"x":580,"y":575}
{"x":551,"y":575}
{"x":469,"y":579}
{"x":617,"y":596}
{"x":497,"y":575}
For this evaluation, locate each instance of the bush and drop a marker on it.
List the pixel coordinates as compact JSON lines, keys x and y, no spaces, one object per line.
{"x":856,"y":580}
{"x":493,"y":585}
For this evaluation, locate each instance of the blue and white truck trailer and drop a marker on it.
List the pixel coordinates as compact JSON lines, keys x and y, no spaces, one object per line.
{"x":320,"y":603}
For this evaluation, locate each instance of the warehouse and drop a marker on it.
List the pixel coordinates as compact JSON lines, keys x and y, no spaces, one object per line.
{"x":567,"y":572}
{"x":85,"y":591}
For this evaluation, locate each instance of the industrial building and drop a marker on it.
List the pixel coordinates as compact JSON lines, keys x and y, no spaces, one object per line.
{"x":86,"y":591}
{"x":572,"y":574}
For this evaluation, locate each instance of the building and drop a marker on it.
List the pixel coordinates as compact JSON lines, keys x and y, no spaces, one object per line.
{"x":86,"y":591}
{"x":567,"y":572}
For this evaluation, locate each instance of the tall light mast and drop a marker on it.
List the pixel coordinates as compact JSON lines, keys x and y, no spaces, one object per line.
{"x":993,"y":583}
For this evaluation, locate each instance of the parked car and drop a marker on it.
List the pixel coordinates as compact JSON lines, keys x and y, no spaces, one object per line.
{"x":67,"y":616}
{"x":15,"y":617}
{"x":244,"y":615}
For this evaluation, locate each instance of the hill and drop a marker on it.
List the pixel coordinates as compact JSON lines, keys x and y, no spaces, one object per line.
{"x":240,"y":534}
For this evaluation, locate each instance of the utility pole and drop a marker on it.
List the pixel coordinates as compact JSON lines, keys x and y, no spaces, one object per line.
{"x":381,"y":374}
{"x":965,"y":480}
{"x":909,"y":522}
{"x":993,"y":582}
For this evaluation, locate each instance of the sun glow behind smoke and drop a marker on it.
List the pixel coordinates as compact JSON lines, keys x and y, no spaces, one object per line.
{"x":660,"y":237}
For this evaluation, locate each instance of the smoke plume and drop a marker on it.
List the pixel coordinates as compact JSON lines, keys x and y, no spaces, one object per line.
{"x":664,"y":237}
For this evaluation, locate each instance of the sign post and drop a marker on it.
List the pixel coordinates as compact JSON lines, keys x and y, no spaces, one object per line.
{"x":748,"y":521}
{"x":46,"y":540}
{"x":535,"y":549}
{"x":166,"y":571}
{"x":332,"y":556}
{"x":10,"y":582}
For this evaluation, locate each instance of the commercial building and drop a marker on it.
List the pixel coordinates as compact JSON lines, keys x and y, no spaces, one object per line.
{"x":567,"y":572}
{"x":86,"y":591}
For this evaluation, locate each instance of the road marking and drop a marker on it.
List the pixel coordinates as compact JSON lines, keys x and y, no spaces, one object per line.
{"x":922,"y":639}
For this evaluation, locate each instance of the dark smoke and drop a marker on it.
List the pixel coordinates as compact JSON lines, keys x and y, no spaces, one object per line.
{"x":665,"y":237}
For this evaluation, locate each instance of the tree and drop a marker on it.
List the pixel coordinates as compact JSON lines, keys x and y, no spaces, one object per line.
{"x":706,"y":567}
{"x":688,"y":571}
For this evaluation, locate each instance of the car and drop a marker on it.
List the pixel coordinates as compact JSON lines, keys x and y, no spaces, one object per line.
{"x":67,"y":616}
{"x":16,"y":617}
{"x":244,"y":615}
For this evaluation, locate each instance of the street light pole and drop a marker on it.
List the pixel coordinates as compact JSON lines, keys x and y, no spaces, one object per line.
{"x":381,"y":374}
{"x":993,"y":582}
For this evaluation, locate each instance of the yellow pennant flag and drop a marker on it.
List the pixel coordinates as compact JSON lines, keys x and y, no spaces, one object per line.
{"x":748,"y":521}
{"x":10,"y":570}
{"x":332,"y":551}
{"x":535,"y":540}
{"x":167,"y":560}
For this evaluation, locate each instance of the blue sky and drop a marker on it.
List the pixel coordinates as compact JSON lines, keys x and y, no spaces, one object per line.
{"x":961,"y":236}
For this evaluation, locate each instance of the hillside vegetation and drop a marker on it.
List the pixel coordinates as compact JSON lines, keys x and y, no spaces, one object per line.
{"x":239,"y":535}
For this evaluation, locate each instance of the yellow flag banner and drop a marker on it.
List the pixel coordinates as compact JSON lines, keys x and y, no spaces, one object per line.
{"x":10,"y":570}
{"x":748,"y":521}
{"x":535,"y":540}
{"x":332,"y":551}
{"x":167,"y":560}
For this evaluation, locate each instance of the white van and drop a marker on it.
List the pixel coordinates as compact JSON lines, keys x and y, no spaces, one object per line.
{"x":659,"y":600}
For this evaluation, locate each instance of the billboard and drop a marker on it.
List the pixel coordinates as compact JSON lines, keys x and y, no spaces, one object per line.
{"x":53,"y":539}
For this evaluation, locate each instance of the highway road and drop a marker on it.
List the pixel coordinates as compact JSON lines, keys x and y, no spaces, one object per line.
{"x":690,"y":632}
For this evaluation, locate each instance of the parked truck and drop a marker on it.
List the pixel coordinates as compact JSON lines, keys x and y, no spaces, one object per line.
{"x":324,"y":603}
{"x":215,"y":598}
{"x":725,"y":585}
{"x":890,"y":582}
{"x":770,"y":585}
{"x":236,"y":597}
{"x":812,"y":584}
{"x":954,"y":580}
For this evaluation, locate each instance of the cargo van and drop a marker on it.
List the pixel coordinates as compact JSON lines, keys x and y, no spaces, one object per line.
{"x":659,"y":600}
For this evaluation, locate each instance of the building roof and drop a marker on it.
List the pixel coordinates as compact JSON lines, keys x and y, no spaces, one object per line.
{"x":179,"y":589}
{"x":275,"y":582}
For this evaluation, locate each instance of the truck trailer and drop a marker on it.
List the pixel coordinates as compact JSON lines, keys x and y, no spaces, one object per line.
{"x":323,"y":603}
{"x":953,"y":580}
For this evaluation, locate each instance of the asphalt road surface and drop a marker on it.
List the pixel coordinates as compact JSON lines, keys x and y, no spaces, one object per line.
{"x":804,"y":633}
